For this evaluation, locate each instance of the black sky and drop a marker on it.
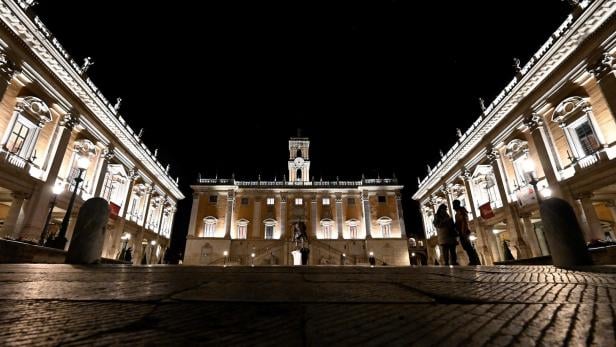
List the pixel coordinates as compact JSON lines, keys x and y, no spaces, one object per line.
{"x":220,"y":86}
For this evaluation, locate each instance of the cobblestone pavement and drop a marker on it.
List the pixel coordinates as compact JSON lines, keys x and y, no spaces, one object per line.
{"x":320,"y":306}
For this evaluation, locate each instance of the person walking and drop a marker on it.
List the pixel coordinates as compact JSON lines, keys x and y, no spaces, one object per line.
{"x":446,"y":235}
{"x":464,"y":232}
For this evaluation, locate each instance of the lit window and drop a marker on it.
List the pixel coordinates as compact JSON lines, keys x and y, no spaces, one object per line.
{"x":299,"y":201}
{"x":385,"y":224}
{"x":270,"y":201}
{"x":353,"y":231}
{"x":325,"y":201}
{"x":353,"y":228}
{"x":269,"y":232}
{"x":30,"y":116}
{"x":18,"y":138}
{"x":584,"y":138}
{"x":242,"y":229}
{"x":326,"y":228}
{"x":210,"y":226}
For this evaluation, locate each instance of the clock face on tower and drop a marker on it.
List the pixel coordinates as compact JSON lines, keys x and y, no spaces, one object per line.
{"x":299,"y":162}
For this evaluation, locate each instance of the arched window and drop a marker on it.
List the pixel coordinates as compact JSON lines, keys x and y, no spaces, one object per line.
{"x":517,"y":152}
{"x":385,"y":224}
{"x":299,"y":152}
{"x":242,"y":229}
{"x":270,"y":224}
{"x":327,"y":226}
{"x":575,"y":116}
{"x":412,"y":242}
{"x":30,"y":115}
{"x":299,"y":174}
{"x":209,"y":229}
{"x":353,"y":225}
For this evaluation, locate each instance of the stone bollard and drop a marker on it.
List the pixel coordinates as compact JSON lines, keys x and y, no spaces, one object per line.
{"x":563,"y":233}
{"x":89,"y":233}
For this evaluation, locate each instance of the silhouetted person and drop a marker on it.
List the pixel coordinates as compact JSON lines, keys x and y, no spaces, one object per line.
{"x":305,"y":251}
{"x":508,"y":255}
{"x":446,"y":234}
{"x":128,"y":256}
{"x":464,"y":233}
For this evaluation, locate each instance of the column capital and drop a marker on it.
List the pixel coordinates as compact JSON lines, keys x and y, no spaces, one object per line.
{"x":70,"y":120}
{"x":466,"y":174}
{"x":133,"y":174}
{"x":8,"y":68}
{"x":533,"y":121}
{"x":492,"y":154}
{"x":602,"y":66}
{"x":584,"y":195}
{"x":108,"y":153}
{"x":338,"y":200}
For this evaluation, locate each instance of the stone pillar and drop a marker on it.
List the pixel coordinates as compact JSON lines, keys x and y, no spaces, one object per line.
{"x":534,"y":123}
{"x":604,"y":71}
{"x":38,"y":208}
{"x":366,"y":210}
{"x":8,"y":69}
{"x":11,"y":224}
{"x":513,"y":220}
{"x":257,"y":222}
{"x":483,"y":237}
{"x":148,"y":196}
{"x":161,"y":213}
{"x":314,"y":218}
{"x":531,"y":236}
{"x":229,"y":214}
{"x":590,"y":214}
{"x":400,"y":215}
{"x":283,"y":217}
{"x":192,"y":226}
{"x":339,"y":218}
{"x":132,"y":176}
{"x":108,"y":154}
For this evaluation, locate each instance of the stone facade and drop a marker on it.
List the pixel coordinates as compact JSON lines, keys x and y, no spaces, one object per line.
{"x":254,"y":221}
{"x":550,"y":132}
{"x":52,"y":117}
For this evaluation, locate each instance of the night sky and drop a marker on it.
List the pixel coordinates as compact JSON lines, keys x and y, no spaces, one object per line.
{"x":220,"y":86}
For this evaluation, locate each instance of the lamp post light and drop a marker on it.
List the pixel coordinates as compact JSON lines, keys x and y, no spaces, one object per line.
{"x":60,"y":240}
{"x":529,"y":171}
{"x":343,"y":259}
{"x":371,"y":259}
{"x":56,"y":190}
{"x":152,"y":243}
{"x":144,"y":259}
{"x":252,"y":259}
{"x":225,"y":254}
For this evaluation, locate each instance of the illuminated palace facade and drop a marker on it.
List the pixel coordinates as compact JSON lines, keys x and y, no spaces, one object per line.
{"x":554,"y":127}
{"x":252,"y":222}
{"x":51,"y":116}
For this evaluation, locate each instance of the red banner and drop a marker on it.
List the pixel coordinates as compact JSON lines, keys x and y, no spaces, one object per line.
{"x":486,"y":211}
{"x":114,"y":210}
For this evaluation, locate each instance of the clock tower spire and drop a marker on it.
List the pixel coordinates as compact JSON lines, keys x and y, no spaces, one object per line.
{"x":299,"y":159}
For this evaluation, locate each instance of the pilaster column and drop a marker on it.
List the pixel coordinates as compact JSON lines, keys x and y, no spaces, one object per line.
{"x":148,"y":196}
{"x":192,"y":226}
{"x":513,"y":220}
{"x":590,"y":214}
{"x":108,"y":154}
{"x":132,"y":176}
{"x":11,"y":223}
{"x":283,"y":216}
{"x":161,"y":213}
{"x":400,"y":214}
{"x":257,"y":222}
{"x":484,"y":237}
{"x":534,"y":124}
{"x":604,"y":71}
{"x":229,"y":214}
{"x":339,"y":218}
{"x":531,"y":236}
{"x":314,"y":217}
{"x":8,"y":70}
{"x":38,"y":208}
{"x":366,"y":210}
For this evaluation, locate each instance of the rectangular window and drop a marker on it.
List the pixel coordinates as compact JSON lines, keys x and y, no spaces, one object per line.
{"x":386,"y":230}
{"x":587,"y":138}
{"x":299,"y":201}
{"x":244,"y":201}
{"x":213,"y":199}
{"x":241,"y":232}
{"x":270,"y":201}
{"x":325,"y":201}
{"x":327,"y":231}
{"x":18,"y":138}
{"x":382,"y":199}
{"x":518,"y":167}
{"x":351,"y":201}
{"x":269,"y":232}
{"x":353,"y":231}
{"x":209,"y":229}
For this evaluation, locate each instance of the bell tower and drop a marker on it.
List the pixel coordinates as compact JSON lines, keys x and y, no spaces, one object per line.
{"x":299,"y":159}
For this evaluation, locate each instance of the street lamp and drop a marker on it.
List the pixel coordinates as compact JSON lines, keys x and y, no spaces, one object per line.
{"x":125,"y":238}
{"x":252,"y":259}
{"x":225,"y":254}
{"x":529,"y":171}
{"x":371,"y":259}
{"x":56,"y":190}
{"x":60,"y":240}
{"x":152,"y":243}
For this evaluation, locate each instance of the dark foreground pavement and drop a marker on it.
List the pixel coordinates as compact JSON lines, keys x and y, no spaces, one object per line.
{"x":320,"y":306}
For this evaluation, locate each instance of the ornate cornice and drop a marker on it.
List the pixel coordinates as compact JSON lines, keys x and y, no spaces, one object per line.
{"x":533,"y":121}
{"x":602,"y":66}
{"x":48,"y":50}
